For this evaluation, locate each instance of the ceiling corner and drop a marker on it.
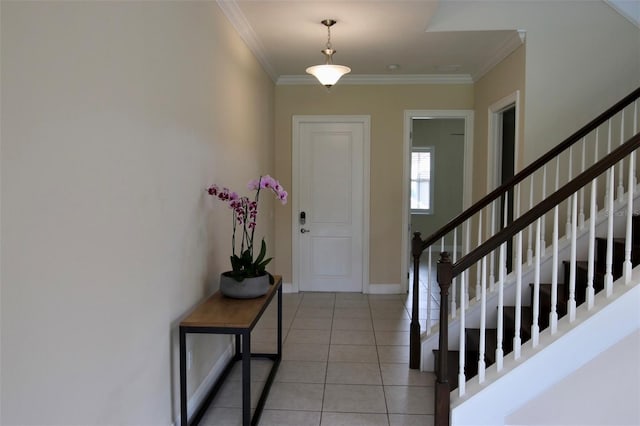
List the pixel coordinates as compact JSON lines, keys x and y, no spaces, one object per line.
{"x":233,"y":13}
{"x":510,"y":45}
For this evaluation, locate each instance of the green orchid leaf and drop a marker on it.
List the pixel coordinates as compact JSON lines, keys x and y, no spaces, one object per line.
{"x":263,"y":252}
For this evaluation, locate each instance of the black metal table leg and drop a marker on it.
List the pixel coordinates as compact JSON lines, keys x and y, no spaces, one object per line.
{"x":238,"y":354}
{"x":246,"y":378}
{"x":183,"y":379}
{"x":280,"y":323}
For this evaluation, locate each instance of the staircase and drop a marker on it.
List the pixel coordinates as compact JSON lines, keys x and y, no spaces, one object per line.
{"x":594,"y":166}
{"x":472,"y":335}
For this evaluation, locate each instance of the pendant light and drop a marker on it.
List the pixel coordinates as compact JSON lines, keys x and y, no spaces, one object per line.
{"x":328,"y":74}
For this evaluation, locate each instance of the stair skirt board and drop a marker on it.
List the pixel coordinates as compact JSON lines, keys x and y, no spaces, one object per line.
{"x":609,"y":322}
{"x":472,"y":315}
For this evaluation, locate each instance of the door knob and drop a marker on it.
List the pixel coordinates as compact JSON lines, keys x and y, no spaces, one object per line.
{"x":304,"y":231}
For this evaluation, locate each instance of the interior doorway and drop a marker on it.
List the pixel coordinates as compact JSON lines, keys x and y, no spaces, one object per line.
{"x":502,"y":160}
{"x":437,"y":169}
{"x":440,"y":122}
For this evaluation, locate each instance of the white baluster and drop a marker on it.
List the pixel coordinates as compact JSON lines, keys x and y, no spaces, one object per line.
{"x":635,"y":131}
{"x":608,"y":277}
{"x":592,"y":245}
{"x":621,"y":168}
{"x":467,"y":249}
{"x":503,"y":265}
{"x":544,"y":196}
{"x":483,"y":321}
{"x":553,"y":315}
{"x":595,"y":160}
{"x":627,"y":243}
{"x":453,"y":282}
{"x":492,"y":276}
{"x":609,"y":129}
{"x":535,"y":327}
{"x":610,"y":176}
{"x":582,"y":166}
{"x":478,"y":272}
{"x":530,"y":227}
{"x":557,"y":182}
{"x":517,"y":340}
{"x":462,"y":347}
{"x":499,"y":350}
{"x":570,"y":175}
{"x":429,"y":290}
{"x":574,"y":256}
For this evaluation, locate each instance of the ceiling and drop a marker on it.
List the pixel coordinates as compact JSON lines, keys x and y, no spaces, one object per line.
{"x":286,"y":36}
{"x":370,"y":36}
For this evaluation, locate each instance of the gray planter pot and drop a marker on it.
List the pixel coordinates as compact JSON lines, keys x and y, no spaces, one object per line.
{"x":249,"y":288}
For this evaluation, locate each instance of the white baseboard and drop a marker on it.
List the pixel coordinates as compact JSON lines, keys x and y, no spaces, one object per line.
{"x":372,"y":288}
{"x":385,"y":289}
{"x":201,"y":392}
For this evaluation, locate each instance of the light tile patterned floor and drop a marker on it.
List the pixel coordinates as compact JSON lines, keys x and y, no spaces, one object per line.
{"x":345,"y":362}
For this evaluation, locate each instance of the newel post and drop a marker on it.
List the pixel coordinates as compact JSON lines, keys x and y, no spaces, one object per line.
{"x":443,"y":399}
{"x":414,"y":331}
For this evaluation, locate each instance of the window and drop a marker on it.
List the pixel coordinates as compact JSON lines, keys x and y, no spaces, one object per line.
{"x":422,"y":161}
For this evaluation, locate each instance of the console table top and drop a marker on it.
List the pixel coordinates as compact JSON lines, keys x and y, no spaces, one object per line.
{"x":219,"y":311}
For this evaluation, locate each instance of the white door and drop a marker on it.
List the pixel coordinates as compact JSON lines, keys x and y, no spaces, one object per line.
{"x":329,"y":212}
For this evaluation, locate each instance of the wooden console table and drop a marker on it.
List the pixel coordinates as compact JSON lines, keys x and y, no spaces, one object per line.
{"x":222,"y":315}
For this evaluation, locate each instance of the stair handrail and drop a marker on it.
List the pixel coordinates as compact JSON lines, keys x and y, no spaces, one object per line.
{"x":546,"y":205}
{"x":447,"y":270}
{"x":529,"y":170}
{"x":450,"y":270}
{"x":418,"y":245}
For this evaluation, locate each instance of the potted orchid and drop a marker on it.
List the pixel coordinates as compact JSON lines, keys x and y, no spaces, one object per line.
{"x":248,"y":277}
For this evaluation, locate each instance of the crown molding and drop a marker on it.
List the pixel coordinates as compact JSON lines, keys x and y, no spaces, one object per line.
{"x":233,"y":13}
{"x":511,"y":44}
{"x":380,"y":79}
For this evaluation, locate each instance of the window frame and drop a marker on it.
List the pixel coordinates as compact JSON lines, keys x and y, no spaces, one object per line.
{"x":431,"y":150}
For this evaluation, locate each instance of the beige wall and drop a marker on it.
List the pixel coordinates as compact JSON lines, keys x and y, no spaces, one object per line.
{"x":115,"y":118}
{"x":386,"y":106}
{"x":503,"y":80}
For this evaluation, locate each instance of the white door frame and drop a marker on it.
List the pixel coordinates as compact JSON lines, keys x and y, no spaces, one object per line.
{"x":409,"y":115}
{"x":494,"y":137}
{"x":295,"y":178}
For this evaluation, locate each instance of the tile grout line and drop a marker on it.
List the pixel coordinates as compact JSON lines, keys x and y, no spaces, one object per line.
{"x":326,"y":370}
{"x":375,"y":340}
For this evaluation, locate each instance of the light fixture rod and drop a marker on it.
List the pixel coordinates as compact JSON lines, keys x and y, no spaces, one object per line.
{"x":328,"y":51}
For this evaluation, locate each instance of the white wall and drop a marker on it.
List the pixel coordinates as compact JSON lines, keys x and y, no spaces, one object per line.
{"x":608,"y":382}
{"x":116,"y":116}
{"x":556,"y":358}
{"x":581,"y":58}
